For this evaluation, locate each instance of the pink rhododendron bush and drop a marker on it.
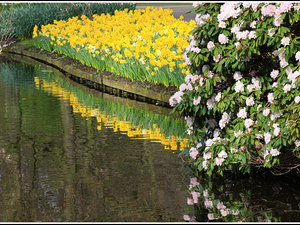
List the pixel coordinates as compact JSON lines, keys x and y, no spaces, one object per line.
{"x":241,"y":102}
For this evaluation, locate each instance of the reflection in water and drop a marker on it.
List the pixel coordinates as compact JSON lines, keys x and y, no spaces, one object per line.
{"x":70,"y":156}
{"x":127,"y":120}
{"x":248,"y":198}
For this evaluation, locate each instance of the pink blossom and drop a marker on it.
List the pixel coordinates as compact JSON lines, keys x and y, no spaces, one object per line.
{"x":283,"y":63}
{"x":285,"y":7}
{"x":216,"y":133}
{"x":277,"y":13}
{"x":223,"y":39}
{"x":226,"y":117}
{"x":287,"y":88}
{"x":255,"y":81}
{"x":238,"y":45}
{"x":235,"y":29}
{"x":197,"y":101}
{"x":186,"y":58}
{"x":268,"y":10}
{"x":235,"y":212}
{"x":242,"y":35}
{"x":188,"y":78}
{"x":176,"y":98}
{"x":187,"y":49}
{"x":297,"y":56}
{"x":246,"y":4}
{"x":199,"y":145}
{"x":242,"y":113}
{"x":210,"y":45}
{"x":195,"y":4}
{"x":285,"y":41}
{"x":200,"y":19}
{"x":250,"y":101}
{"x":224,"y":212}
{"x":280,"y":55}
{"x":250,"y":87}
{"x":274,"y":74}
{"x":271,"y":98}
{"x":222,"y":24}
{"x":252,"y":35}
{"x":253,"y":24}
{"x":221,"y":205}
{"x":218,"y":97}
{"x":274,"y":152}
{"x":266,"y":111}
{"x":190,"y":131}
{"x":297,"y":99}
{"x":239,"y":87}
{"x":222,"y":154}
{"x":190,"y":201}
{"x":267,"y":137}
{"x":195,"y":78}
{"x":172,"y":102}
{"x":274,"y":116}
{"x":208,"y":203}
{"x":196,"y":196}
{"x":207,"y":156}
{"x":239,"y":132}
{"x":248,"y":123}
{"x":194,"y":181}
{"x":297,"y":143}
{"x":278,"y":21}
{"x":296,"y":6}
{"x":186,"y":217}
{"x":210,"y":216}
{"x":204,"y":164}
{"x":237,"y":75}
{"x":183,"y":87}
{"x":209,"y":142}
{"x":210,"y":103}
{"x":190,"y":87}
{"x":276,"y":131}
{"x":196,"y":49}
{"x":192,"y":43}
{"x":219,"y":161}
{"x":217,"y":59}
{"x":255,"y":5}
{"x":222,"y":123}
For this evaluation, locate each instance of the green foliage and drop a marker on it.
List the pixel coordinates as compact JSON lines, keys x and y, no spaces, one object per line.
{"x":19,"y":21}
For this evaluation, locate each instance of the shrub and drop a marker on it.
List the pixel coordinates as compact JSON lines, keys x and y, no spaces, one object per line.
{"x":242,"y":102}
{"x":24,"y":17}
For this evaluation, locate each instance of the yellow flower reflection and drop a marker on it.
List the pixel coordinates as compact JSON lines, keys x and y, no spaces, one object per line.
{"x":154,"y":134}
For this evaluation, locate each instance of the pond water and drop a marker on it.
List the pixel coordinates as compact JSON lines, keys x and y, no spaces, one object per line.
{"x":69,"y":153}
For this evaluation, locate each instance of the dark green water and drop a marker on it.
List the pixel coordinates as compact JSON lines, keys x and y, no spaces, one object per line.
{"x":73,"y":154}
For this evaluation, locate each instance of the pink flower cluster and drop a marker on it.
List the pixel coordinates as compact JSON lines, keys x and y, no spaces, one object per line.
{"x":200,"y":19}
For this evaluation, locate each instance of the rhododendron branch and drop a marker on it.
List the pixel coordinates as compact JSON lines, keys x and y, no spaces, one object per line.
{"x":251,"y":48}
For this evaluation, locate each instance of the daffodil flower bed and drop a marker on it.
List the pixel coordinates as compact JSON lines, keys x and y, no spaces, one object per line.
{"x":145,"y":44}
